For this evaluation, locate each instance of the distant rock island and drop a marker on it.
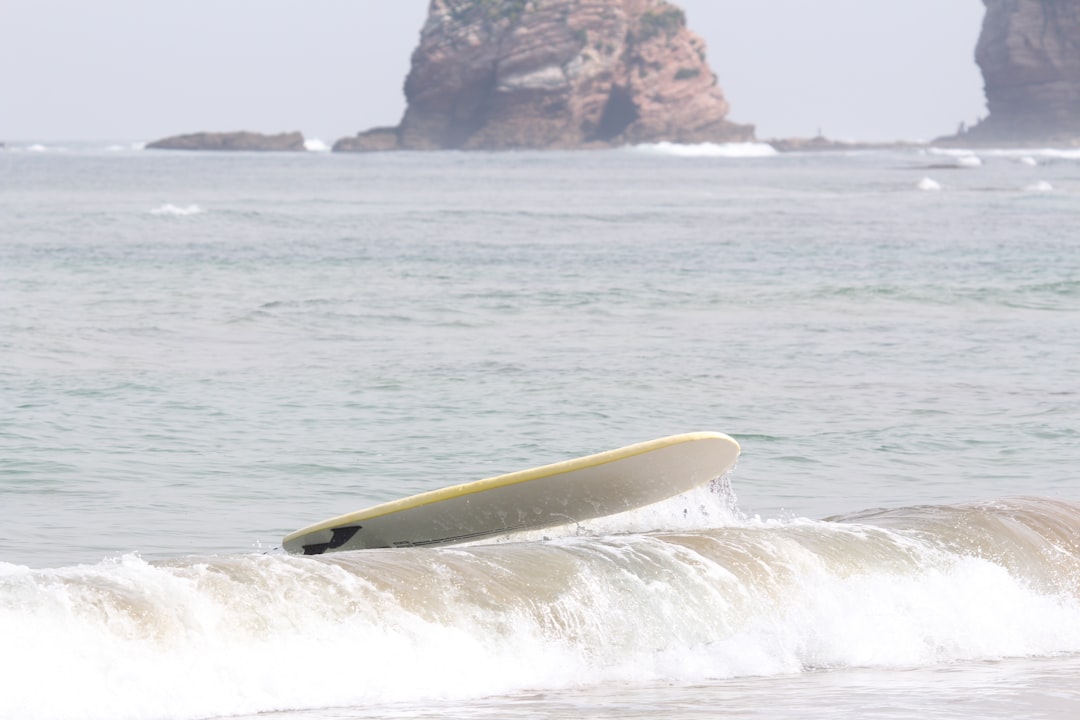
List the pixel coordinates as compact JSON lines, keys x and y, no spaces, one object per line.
{"x":533,"y":74}
{"x":568,"y":74}
{"x":240,"y":141}
{"x":1029,"y":54}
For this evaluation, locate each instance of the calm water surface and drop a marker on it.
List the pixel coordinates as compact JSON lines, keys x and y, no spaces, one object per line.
{"x":200,"y":353}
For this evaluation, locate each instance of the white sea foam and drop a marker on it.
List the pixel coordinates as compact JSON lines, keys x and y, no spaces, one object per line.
{"x":724,"y":150}
{"x":177,"y":210}
{"x":1040,"y":187}
{"x":928,"y":184}
{"x":119,"y":147}
{"x":949,"y":152}
{"x":961,"y":158}
{"x":316,"y":145}
{"x":707,"y":506}
{"x":1022,"y":154}
{"x":250,"y":633}
{"x":1048,"y":153}
{"x":10,"y":569}
{"x":1028,"y":160}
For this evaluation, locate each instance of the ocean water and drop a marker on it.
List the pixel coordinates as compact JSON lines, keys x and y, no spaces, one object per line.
{"x":200,"y":353}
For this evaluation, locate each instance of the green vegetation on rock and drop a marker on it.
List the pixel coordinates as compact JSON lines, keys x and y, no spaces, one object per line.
{"x":489,"y":10}
{"x":664,"y":22}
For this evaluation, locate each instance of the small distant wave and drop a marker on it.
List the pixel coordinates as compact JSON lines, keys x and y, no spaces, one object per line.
{"x":1028,"y":156}
{"x":725,"y":150}
{"x":928,"y":184}
{"x":1040,"y":187}
{"x":120,"y":147}
{"x":949,"y":152}
{"x":1049,"y":153}
{"x":959,"y":158}
{"x":177,"y":210}
{"x":78,"y":147}
{"x":316,"y":145}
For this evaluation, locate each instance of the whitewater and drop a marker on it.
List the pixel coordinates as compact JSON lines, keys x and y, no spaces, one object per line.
{"x":200,"y":353}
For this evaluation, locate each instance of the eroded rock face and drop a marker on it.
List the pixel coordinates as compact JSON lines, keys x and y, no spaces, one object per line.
{"x":1029,"y":54}
{"x":507,"y":74}
{"x":241,"y":141}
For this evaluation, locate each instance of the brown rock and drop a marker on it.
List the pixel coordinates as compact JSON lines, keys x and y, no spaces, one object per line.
{"x":243,"y":141}
{"x":1029,"y":54}
{"x":374,"y":140}
{"x":509,"y":74}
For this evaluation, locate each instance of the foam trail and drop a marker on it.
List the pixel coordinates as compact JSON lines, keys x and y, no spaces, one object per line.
{"x":928,"y":184}
{"x":709,"y":150}
{"x":1040,"y":187}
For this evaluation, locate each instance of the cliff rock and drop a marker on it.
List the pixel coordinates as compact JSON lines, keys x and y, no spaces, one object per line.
{"x":507,"y":74}
{"x":244,"y":141}
{"x":1029,"y":54}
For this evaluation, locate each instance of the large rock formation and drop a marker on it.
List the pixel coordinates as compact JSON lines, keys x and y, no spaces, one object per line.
{"x":247,"y":141}
{"x":1029,"y":54}
{"x":506,"y":74}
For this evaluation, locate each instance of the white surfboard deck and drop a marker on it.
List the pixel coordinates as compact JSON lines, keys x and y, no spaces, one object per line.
{"x":565,"y":492}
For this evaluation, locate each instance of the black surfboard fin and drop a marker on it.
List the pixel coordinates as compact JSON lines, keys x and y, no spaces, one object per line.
{"x":341,"y":535}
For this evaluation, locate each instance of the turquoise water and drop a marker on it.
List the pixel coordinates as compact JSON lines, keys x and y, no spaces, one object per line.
{"x":201,"y":353}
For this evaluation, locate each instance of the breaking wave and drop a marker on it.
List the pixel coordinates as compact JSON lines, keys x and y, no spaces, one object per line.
{"x":1027,"y":156}
{"x":316,"y":145}
{"x":202,"y":636}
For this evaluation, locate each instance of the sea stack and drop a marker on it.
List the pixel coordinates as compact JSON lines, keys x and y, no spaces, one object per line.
{"x":236,"y":141}
{"x":1029,"y":54}
{"x":540,"y":74}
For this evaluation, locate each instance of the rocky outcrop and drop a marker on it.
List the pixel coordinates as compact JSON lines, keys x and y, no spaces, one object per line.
{"x":1029,"y":54}
{"x":510,"y":74}
{"x":374,"y":140}
{"x":242,"y":141}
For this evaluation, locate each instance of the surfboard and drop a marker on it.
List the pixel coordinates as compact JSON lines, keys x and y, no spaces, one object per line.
{"x":561,"y":493}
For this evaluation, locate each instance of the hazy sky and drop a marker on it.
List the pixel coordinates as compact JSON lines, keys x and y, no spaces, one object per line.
{"x":145,"y":69}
